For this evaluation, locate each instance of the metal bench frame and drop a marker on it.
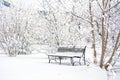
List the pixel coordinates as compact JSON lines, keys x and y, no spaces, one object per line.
{"x":64,"y":49}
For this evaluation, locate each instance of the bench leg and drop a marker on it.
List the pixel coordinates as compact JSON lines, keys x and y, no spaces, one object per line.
{"x":84,"y":61}
{"x":60,"y":59}
{"x":52,"y":58}
{"x":80,"y":60}
{"x":49,"y":59}
{"x":72,"y":62}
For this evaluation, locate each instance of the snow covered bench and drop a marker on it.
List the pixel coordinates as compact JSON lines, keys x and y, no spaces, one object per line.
{"x":65,"y":52}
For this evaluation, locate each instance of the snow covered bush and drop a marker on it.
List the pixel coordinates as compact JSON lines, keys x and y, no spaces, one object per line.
{"x":13,"y":29}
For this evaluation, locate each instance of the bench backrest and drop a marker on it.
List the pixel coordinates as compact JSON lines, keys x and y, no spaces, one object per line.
{"x":72,"y":49}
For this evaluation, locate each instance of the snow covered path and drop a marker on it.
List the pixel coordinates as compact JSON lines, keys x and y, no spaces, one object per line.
{"x":36,"y":67}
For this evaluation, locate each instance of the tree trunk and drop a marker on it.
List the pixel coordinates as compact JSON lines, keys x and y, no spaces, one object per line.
{"x":113,"y":53}
{"x":103,"y":40}
{"x":93,"y":33}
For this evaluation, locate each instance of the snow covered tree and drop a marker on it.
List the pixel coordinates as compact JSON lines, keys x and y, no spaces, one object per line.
{"x":103,"y":17}
{"x":12,"y":31}
{"x":53,"y":15}
{"x":63,"y":27}
{"x":107,"y":14}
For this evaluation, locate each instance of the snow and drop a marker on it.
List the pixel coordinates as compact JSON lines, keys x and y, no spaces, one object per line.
{"x":117,"y":75}
{"x":36,"y":67}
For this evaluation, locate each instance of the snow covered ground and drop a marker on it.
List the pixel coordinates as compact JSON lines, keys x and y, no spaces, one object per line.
{"x":117,"y":75}
{"x":36,"y":67}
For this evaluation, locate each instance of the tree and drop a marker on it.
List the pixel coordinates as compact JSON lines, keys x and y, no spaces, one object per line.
{"x":106,"y":5}
{"x":53,"y":15}
{"x":12,"y":31}
{"x":103,"y":19}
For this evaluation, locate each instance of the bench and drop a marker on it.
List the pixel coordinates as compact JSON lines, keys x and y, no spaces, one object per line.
{"x":65,"y":52}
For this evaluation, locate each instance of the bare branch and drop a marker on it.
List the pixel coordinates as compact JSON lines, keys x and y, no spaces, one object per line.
{"x":112,"y":7}
{"x":106,"y":4}
{"x":80,"y":17}
{"x":99,"y":5}
{"x":118,"y":46}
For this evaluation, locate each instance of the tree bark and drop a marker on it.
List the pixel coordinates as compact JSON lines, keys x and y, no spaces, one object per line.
{"x":93,"y":33}
{"x":103,"y":40}
{"x":113,"y":53}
